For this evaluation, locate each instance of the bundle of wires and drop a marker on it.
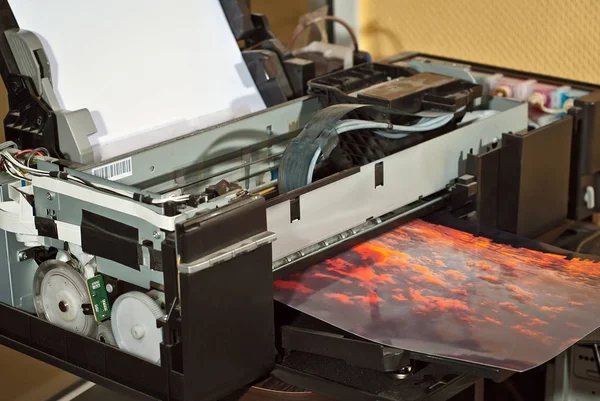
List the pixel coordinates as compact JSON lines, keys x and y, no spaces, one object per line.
{"x":303,"y":154}
{"x":394,"y":131}
{"x":22,"y":171}
{"x":386,"y":130}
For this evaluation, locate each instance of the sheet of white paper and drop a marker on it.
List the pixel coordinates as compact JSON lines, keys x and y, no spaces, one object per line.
{"x":147,"y":70}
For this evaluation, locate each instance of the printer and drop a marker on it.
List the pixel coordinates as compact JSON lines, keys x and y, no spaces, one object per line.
{"x":152,"y":273}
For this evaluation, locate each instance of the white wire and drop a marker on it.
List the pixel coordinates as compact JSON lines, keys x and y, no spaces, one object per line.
{"x":311,"y":166}
{"x":14,"y":168}
{"x":396,"y":131}
{"x":387,"y":134}
{"x":127,"y":194}
{"x":179,"y":198}
{"x":8,"y":157}
{"x":422,"y":123}
{"x":14,"y":163}
{"x":425,"y":124}
{"x":13,"y":171}
{"x":15,"y":176}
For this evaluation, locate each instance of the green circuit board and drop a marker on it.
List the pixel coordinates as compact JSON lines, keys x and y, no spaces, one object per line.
{"x":99,"y":298}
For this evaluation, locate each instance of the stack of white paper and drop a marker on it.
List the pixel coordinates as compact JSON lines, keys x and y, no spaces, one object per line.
{"x":148,"y":70}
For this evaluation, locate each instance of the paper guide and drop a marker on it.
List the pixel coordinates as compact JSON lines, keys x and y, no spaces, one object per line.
{"x":147,"y":70}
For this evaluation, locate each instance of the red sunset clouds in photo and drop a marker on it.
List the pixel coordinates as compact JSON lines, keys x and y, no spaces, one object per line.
{"x":436,"y":290}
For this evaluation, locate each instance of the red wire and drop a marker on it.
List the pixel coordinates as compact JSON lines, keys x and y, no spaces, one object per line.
{"x":23,"y":152}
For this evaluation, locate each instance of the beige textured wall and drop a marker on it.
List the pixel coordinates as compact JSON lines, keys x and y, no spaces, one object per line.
{"x":283,"y":15}
{"x":554,"y":37}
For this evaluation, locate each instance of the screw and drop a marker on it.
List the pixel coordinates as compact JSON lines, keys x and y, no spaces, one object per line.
{"x":403,"y":373}
{"x":22,"y":256}
{"x":39,"y":121}
{"x":156,"y":234}
{"x":109,"y":288}
{"x":49,"y":195}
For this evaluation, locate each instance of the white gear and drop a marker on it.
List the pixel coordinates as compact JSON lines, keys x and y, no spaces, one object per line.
{"x":58,"y":295}
{"x":104,"y":333}
{"x":133,"y":320}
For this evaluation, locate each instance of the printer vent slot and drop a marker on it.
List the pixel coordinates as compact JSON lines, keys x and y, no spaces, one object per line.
{"x":294,"y":209}
{"x":379,"y":174}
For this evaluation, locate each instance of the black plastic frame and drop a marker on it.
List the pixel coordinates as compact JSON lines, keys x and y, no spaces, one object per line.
{"x":432,"y":383}
{"x":585,"y":153}
{"x":82,"y":356}
{"x":114,"y":369}
{"x":319,"y":338}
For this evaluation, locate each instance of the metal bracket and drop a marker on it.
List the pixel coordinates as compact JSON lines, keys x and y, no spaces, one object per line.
{"x":229,"y":252}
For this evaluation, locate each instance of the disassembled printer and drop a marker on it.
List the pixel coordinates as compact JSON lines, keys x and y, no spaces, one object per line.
{"x":153,"y":275}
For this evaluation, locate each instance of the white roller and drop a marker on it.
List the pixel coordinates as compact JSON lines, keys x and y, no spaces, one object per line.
{"x":133,"y":320}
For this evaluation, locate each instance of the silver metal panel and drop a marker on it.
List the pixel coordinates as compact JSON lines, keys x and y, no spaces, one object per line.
{"x":361,"y":229}
{"x":408,"y":175}
{"x":166,"y":160}
{"x":5,"y":279}
{"x":69,"y":210}
{"x":21,"y":275}
{"x":141,"y":278}
{"x":16,"y":276}
{"x":227,"y":253}
{"x":6,"y":294}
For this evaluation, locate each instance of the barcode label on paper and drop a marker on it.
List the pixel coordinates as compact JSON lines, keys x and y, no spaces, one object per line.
{"x":115,"y":170}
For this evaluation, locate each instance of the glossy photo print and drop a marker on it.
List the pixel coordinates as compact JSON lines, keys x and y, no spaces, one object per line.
{"x":433,"y":289}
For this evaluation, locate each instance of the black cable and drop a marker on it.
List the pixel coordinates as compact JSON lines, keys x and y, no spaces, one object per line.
{"x":91,"y":185}
{"x":136,"y":196}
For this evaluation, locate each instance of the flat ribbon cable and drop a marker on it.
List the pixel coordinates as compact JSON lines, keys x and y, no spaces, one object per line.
{"x":321,"y":135}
